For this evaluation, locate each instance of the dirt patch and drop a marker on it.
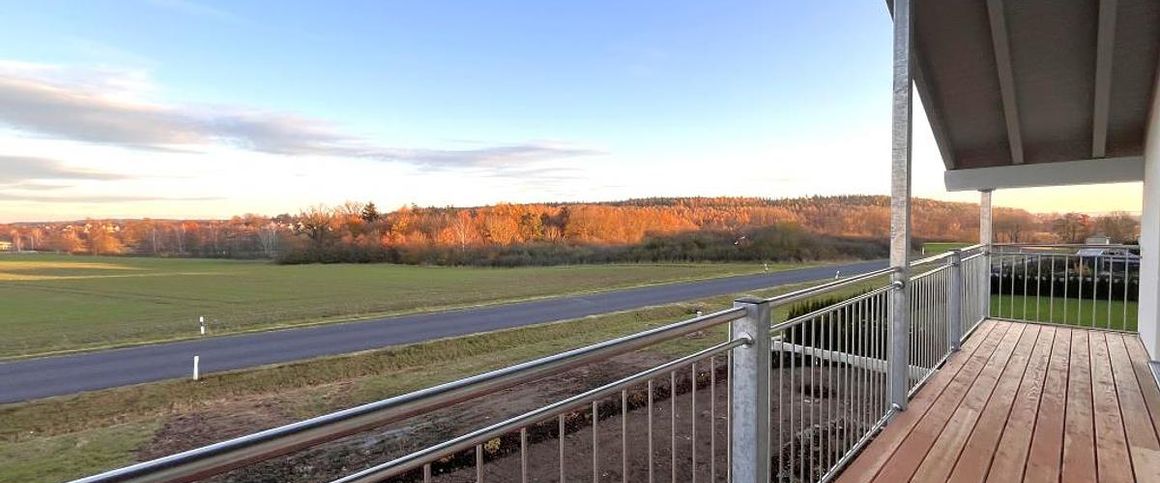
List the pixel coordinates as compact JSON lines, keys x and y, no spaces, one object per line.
{"x":683,"y":436}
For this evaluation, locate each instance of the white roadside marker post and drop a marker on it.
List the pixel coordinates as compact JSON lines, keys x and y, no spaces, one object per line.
{"x":196,"y":360}
{"x":201,"y":322}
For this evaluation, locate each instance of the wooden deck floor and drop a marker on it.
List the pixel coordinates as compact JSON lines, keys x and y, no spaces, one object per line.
{"x":1026,"y":402}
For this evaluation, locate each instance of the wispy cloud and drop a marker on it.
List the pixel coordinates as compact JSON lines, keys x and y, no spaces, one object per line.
{"x":22,"y":169}
{"x":82,"y":198}
{"x":113,"y":107}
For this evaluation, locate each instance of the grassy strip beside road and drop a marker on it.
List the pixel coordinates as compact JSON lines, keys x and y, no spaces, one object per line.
{"x":60,"y":303}
{"x":35,"y":435}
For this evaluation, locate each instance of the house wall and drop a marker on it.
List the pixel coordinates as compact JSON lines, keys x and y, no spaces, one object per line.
{"x":1150,"y":235}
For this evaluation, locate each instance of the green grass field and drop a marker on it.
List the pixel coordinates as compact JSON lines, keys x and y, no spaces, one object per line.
{"x":58,"y":303}
{"x":1081,"y":313}
{"x":935,"y":248}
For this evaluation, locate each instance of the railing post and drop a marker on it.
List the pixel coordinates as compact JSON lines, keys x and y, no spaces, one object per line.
{"x":955,"y":300}
{"x":986,"y":238}
{"x":900,"y":191}
{"x":750,"y":409}
{"x":898,"y":352}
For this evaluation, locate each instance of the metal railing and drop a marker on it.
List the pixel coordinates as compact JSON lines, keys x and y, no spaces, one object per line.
{"x":791,"y":400}
{"x":1083,"y":285}
{"x":830,"y":379}
{"x":221,"y":457}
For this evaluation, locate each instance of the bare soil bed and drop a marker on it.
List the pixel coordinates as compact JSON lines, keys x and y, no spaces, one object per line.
{"x":684,"y":428}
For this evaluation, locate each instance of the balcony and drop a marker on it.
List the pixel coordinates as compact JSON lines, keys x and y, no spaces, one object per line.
{"x":834,"y":393}
{"x":997,"y":362}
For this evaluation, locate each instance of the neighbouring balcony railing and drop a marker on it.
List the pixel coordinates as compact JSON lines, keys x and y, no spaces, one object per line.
{"x":1083,"y":285}
{"x":776,"y":400}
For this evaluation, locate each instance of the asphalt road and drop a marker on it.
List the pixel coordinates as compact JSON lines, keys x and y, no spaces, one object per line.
{"x":52,"y":376}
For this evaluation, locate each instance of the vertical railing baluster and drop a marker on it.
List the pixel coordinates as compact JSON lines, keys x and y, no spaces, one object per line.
{"x":560,"y":420}
{"x":1079,"y":298}
{"x":1024,"y":286}
{"x":595,"y":444}
{"x":1038,"y":284}
{"x":673,"y":426}
{"x":1111,"y":275}
{"x":1095,"y":287}
{"x":729,"y":412}
{"x":1127,"y":280}
{"x":999,"y":308}
{"x":650,"y":431}
{"x":624,"y":435}
{"x":693,"y":424}
{"x":478,"y":463}
{"x":713,"y":418}
{"x":1051,"y":296}
{"x":524,"y":454}
{"x":1066,"y":280}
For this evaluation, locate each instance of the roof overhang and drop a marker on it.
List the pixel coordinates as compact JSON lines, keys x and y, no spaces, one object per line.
{"x":1090,"y":171}
{"x":1037,"y":92}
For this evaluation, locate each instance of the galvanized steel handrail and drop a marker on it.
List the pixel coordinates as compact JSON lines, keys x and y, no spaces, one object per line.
{"x":224,"y":456}
{"x":419,"y":458}
{"x":827,"y":287}
{"x":804,"y":317}
{"x":945,"y":255}
{"x":929,"y":272}
{"x":1065,"y":245}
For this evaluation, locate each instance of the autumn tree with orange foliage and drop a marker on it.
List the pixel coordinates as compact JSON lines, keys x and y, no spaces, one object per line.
{"x":650,"y":229}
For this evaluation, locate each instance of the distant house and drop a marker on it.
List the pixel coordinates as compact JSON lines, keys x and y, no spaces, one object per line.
{"x":1109,"y":259}
{"x":5,"y":246}
{"x":1098,"y":240}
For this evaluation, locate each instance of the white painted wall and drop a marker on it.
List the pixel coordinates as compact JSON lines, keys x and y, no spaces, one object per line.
{"x":1150,"y":235}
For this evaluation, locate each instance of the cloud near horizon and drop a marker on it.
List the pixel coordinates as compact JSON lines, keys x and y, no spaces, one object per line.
{"x":110,"y":107}
{"x":21,"y":169}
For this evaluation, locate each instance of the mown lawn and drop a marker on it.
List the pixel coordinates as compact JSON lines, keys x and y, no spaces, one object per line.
{"x":101,"y":430}
{"x":935,"y":248}
{"x":58,"y":303}
{"x":1100,"y":314}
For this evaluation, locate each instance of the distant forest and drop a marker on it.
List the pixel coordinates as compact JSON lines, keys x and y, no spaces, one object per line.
{"x":638,"y":230}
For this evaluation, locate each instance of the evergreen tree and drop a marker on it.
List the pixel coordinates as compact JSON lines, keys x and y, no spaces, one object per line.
{"x":370,"y":213}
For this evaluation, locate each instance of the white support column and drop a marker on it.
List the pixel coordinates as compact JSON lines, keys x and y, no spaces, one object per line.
{"x":986,"y":237}
{"x":1149,"y":314}
{"x":898,"y":356}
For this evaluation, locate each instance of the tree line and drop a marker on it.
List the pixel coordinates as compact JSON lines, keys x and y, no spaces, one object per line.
{"x":652,"y":229}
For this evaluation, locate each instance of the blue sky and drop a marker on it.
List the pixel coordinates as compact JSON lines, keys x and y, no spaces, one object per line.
{"x":169,"y":108}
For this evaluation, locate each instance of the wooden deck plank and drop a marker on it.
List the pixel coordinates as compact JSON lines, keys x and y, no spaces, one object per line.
{"x":1144,"y":377}
{"x":1003,"y":432}
{"x":867,"y":465}
{"x":980,"y":418}
{"x":1044,"y":456}
{"x":914,"y":448}
{"x":1012,"y":450}
{"x":1143,"y":442}
{"x":1112,"y":461}
{"x":1079,"y":452}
